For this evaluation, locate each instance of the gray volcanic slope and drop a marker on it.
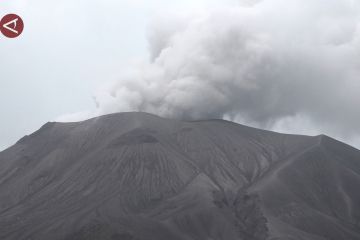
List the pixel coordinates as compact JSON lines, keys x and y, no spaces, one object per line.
{"x":136,"y":176}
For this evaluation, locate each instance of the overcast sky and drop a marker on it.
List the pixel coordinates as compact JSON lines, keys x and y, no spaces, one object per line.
{"x":67,"y":50}
{"x":287,"y":65}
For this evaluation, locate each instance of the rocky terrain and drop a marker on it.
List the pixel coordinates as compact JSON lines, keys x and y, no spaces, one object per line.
{"x":136,"y":176}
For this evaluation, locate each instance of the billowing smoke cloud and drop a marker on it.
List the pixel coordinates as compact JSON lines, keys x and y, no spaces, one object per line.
{"x":269,"y":64}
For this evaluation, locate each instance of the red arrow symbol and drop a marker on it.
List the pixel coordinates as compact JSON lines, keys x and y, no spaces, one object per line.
{"x":11,"y":25}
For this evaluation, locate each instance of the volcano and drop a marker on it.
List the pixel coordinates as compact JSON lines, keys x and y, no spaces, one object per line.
{"x":136,"y":176}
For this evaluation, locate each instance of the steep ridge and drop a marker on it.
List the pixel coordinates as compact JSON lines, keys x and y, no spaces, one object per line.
{"x":312,"y":193}
{"x":139,"y":176}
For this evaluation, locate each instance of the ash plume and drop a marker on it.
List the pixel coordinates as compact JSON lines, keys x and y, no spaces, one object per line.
{"x":265,"y":64}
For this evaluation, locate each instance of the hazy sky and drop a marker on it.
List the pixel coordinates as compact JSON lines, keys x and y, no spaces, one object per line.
{"x":67,"y":50}
{"x":286,"y":65}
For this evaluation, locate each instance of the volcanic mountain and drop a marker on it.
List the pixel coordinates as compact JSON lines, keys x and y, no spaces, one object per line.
{"x":136,"y":176}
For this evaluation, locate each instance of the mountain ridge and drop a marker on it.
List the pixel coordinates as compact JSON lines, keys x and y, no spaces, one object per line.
{"x":121,"y":176}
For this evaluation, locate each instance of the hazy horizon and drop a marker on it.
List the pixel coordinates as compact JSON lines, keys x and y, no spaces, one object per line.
{"x":288,"y":66}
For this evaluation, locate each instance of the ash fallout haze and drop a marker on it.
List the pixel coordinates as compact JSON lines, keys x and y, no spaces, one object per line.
{"x":191,"y":120}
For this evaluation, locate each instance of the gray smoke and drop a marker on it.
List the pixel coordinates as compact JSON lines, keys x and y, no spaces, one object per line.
{"x":270,"y":64}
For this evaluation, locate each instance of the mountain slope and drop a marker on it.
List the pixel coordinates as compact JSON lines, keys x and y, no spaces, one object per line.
{"x":138,"y":176}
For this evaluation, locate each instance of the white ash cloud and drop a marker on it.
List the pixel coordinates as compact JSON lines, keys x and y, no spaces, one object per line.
{"x":266,"y":63}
